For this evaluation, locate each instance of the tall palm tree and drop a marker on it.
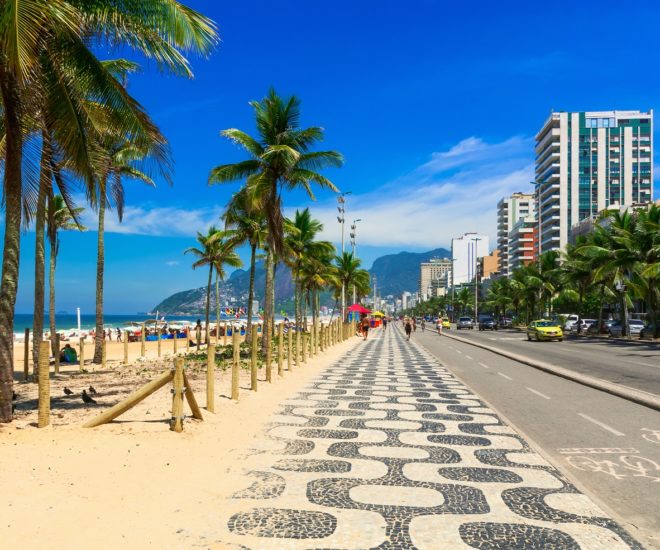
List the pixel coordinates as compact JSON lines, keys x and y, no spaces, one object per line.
{"x":58,"y":218}
{"x":577,"y":274}
{"x":216,"y":250}
{"x":647,"y":237}
{"x":280,"y":159}
{"x":347,"y":268}
{"x":245,"y":224}
{"x":57,"y":34}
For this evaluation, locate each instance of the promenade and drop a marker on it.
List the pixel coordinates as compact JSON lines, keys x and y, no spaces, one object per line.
{"x":387,"y":449}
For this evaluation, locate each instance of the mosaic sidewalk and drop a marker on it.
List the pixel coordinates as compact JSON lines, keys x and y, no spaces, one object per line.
{"x":387,"y":449}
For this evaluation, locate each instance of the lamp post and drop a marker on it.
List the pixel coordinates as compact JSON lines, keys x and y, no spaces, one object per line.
{"x":476,"y":277}
{"x":354,"y":244}
{"x":340,"y":208}
{"x":453,"y":305}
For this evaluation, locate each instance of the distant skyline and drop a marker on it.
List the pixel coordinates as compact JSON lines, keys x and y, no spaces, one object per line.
{"x":434,"y":105}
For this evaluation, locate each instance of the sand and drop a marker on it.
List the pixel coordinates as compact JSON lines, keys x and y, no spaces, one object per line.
{"x":133,"y":482}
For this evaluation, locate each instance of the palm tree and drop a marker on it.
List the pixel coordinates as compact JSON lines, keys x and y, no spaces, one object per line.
{"x":647,"y":237}
{"x":465,"y":298}
{"x":55,"y":35}
{"x":316,"y":274}
{"x":246,"y":225}
{"x":347,"y":268}
{"x":577,"y":273}
{"x":58,"y":218}
{"x":280,"y":159}
{"x":216,"y":250}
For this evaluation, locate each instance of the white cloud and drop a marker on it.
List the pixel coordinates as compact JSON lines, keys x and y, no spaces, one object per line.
{"x":454,"y":192}
{"x":172,"y":263}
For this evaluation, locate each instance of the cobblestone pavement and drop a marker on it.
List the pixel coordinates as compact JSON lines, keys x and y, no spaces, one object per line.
{"x":386,"y":449}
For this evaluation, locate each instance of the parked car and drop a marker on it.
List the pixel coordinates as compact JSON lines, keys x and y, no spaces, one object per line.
{"x":584,"y":325}
{"x":506,"y":322}
{"x":544,"y":330}
{"x":570,"y":321}
{"x":646,"y":332}
{"x":636,"y":326}
{"x":604,"y":327}
{"x":465,"y":322}
{"x":486,"y":322}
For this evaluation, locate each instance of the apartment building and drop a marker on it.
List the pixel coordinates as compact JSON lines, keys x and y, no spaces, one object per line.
{"x":509,"y":211}
{"x":466,"y":251}
{"x":433,"y":277}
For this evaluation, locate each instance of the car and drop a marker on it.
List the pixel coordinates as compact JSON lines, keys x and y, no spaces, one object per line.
{"x":506,"y":322}
{"x":465,"y":322}
{"x":604,"y":327}
{"x":544,"y":329}
{"x":646,"y":332}
{"x":486,"y":322}
{"x":445,"y":323}
{"x":570,"y":321}
{"x":636,"y":326}
{"x":584,"y":325}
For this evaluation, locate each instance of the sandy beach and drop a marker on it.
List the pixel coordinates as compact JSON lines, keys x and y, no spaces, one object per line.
{"x":132,"y":482}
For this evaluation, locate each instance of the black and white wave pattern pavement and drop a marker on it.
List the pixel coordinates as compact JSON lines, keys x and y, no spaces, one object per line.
{"x":386,"y":449}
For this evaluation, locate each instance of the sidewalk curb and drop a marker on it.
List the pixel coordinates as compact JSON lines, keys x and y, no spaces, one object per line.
{"x":641,"y":398}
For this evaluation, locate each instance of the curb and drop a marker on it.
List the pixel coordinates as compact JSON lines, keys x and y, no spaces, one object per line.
{"x":641,"y":398}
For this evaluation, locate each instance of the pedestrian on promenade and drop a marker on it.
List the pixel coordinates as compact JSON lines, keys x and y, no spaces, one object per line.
{"x":365,"y":327}
{"x":440,"y":326}
{"x":408,"y":328}
{"x":423,"y":324}
{"x":119,"y":335}
{"x":414,"y":324}
{"x":384,"y":323}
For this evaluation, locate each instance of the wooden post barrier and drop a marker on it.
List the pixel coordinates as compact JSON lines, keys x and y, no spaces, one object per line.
{"x":224,"y":337}
{"x":57,"y":353}
{"x":143,"y":337}
{"x":289,"y":348}
{"x":253,"y":360}
{"x":175,"y":338}
{"x":303,"y":336}
{"x":187,"y":331}
{"x":176,"y":424}
{"x":321,"y":338}
{"x":269,"y":359}
{"x":297,"y":346}
{"x":210,"y":378}
{"x":235,"y":367}
{"x":44,"y":385}
{"x":198,"y":336}
{"x":190,"y":396}
{"x":312,"y":339}
{"x":158,"y":336}
{"x":26,"y":355}
{"x":81,"y":355}
{"x":280,"y":349}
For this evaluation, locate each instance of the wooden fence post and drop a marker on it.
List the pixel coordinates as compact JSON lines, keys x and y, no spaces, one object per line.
{"x":198,"y":336}
{"x":289,"y":348}
{"x":235,"y":367}
{"x":253,"y":360}
{"x":304,"y":338}
{"x":187,"y":331}
{"x":125,"y":348}
{"x":175,"y":338}
{"x":297,"y":346}
{"x":26,"y":355}
{"x":57,"y":353}
{"x":321,"y":338}
{"x":158,"y":336}
{"x":210,"y":378}
{"x":177,"y":397}
{"x":143,"y":337}
{"x":280,"y":349}
{"x":44,"y":385}
{"x":269,"y":358}
{"x":224,"y":337}
{"x":81,"y":355}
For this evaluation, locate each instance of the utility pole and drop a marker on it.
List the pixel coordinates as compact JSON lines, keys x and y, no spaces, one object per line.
{"x":354,"y":244}
{"x":476,"y":277}
{"x":341,"y":201}
{"x":453,"y":313}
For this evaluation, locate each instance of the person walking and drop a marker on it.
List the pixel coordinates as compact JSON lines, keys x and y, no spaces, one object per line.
{"x":408,"y":328}
{"x":384,"y":324}
{"x":423,"y":324}
{"x":119,"y":335}
{"x":414,"y":324}
{"x":365,"y":327}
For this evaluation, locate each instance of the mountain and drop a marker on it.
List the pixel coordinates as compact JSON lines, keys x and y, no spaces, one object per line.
{"x":396,"y":273}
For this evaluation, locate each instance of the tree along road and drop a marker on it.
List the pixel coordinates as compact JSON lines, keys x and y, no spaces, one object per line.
{"x":635,"y":365}
{"x":609,"y":446}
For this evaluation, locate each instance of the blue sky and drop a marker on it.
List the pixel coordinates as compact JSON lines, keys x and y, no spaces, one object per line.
{"x":434,"y":105}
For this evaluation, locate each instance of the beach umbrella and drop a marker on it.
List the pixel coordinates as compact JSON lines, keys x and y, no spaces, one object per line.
{"x":359,"y":309}
{"x":378,"y":314}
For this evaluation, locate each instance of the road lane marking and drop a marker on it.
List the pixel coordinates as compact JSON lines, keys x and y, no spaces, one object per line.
{"x":468,"y":357}
{"x":538,"y":393}
{"x":458,"y":351}
{"x":493,"y":339}
{"x":597,"y":451}
{"x":484,"y":365}
{"x":505,"y":376}
{"x":644,"y":364}
{"x":599,"y":423}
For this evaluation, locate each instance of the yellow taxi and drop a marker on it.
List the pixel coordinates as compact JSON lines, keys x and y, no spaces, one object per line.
{"x":544,"y":330}
{"x":445,"y":323}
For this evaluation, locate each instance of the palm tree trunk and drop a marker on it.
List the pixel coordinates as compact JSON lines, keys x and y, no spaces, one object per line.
{"x":51,"y":291}
{"x":217,"y":306}
{"x":12,"y":241}
{"x":268,"y":305}
{"x":40,"y":252}
{"x":208,"y":302}
{"x":600,"y":307}
{"x":100,"y":268}
{"x":296,"y":304}
{"x":250,"y":312}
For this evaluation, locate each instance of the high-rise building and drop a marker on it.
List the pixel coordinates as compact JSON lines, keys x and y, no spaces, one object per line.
{"x":490,"y":265}
{"x":509,"y":211}
{"x":466,"y":250}
{"x":587,"y":162}
{"x":523,"y":243}
{"x":430,"y":275}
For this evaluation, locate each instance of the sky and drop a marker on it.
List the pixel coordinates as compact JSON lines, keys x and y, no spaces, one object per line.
{"x":434,"y":105}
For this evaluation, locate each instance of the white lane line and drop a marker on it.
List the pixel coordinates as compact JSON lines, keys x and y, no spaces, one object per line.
{"x":484,"y":365}
{"x":505,"y":376}
{"x":599,"y":423}
{"x":468,"y":357}
{"x":458,"y":351}
{"x":538,"y":393}
{"x":644,"y":364}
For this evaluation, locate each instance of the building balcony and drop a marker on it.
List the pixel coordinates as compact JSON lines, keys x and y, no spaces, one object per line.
{"x":543,"y":139}
{"x":551,"y":156}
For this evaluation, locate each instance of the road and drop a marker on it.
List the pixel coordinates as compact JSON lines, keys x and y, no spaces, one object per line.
{"x":610,"y":447}
{"x":635,"y":365}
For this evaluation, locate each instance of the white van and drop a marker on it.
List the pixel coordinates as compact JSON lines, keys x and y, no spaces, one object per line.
{"x":570,"y":321}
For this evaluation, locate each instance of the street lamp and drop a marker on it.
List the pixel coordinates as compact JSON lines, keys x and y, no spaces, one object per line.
{"x":453,"y":305}
{"x":476,"y":277}
{"x":340,"y":207}
{"x":354,"y":244}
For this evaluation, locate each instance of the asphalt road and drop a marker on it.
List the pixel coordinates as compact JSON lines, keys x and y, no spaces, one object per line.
{"x":635,"y":365}
{"x":609,"y":447}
